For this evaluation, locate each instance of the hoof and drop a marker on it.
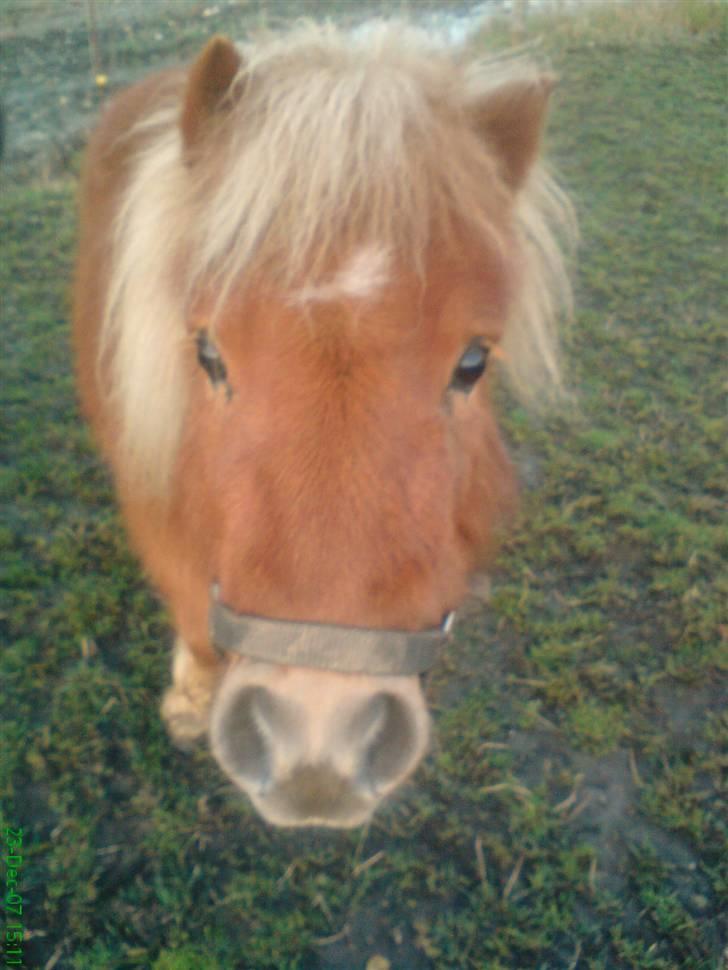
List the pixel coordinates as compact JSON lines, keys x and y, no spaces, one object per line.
{"x":185,"y":721}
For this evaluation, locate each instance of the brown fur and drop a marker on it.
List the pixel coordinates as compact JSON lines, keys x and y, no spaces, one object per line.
{"x":338,"y":480}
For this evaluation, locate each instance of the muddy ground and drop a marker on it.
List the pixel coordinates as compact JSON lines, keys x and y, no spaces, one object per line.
{"x":54,"y":78}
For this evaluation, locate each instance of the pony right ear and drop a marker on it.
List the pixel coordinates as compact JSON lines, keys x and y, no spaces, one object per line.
{"x":208,"y":83}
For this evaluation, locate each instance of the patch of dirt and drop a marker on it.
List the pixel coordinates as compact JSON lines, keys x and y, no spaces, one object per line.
{"x":603,"y":806}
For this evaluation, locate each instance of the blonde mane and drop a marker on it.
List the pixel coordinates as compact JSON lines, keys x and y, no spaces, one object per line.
{"x":331,"y":141}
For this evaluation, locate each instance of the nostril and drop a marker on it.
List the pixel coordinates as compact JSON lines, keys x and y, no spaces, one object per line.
{"x":366,"y":725}
{"x":385,"y":733}
{"x":245,"y":733}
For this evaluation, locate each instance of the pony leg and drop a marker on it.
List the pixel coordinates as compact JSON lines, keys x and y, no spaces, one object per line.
{"x":186,"y":704}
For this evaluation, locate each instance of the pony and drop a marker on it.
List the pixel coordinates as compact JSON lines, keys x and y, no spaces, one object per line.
{"x":299,"y":261}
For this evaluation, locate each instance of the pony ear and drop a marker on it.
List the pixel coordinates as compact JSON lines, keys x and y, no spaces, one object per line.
{"x":510,"y":119}
{"x":208,"y":82}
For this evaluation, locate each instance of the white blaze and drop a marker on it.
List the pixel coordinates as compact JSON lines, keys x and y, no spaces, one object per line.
{"x":366,"y":273}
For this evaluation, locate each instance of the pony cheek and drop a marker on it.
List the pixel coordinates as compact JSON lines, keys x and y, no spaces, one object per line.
{"x":239,"y":531}
{"x":487,"y":488}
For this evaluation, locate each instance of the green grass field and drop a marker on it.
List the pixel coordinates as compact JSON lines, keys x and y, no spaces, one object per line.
{"x":572,"y":813}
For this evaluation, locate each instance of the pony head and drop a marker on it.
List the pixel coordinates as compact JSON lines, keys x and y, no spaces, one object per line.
{"x":323,"y":246}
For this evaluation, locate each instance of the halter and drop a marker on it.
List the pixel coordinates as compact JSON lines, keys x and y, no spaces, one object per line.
{"x":325,"y":646}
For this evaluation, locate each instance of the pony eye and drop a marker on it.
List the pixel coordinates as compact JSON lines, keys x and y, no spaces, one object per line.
{"x":470,"y":368}
{"x":209,"y":358}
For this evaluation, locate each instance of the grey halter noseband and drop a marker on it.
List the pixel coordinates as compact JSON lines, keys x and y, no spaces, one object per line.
{"x":325,"y":646}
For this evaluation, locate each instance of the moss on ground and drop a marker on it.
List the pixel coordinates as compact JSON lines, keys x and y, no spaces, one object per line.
{"x":572,"y":813}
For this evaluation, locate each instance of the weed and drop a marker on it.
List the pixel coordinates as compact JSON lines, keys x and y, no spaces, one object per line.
{"x":572,"y":812}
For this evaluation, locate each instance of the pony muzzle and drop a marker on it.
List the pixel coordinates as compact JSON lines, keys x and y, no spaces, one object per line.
{"x":312,"y":747}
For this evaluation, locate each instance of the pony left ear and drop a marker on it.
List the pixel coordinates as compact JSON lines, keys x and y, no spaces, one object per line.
{"x":511,"y":119}
{"x":208,"y":82}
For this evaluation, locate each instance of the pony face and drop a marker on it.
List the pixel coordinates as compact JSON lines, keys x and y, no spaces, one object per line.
{"x":322,"y":249}
{"x":359,"y":479}
{"x":355,"y":456}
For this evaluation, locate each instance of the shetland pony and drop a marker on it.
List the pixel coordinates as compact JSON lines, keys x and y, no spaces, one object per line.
{"x":299,"y":262}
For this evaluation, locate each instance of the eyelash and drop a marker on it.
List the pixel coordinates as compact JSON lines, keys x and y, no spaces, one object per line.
{"x":470,"y":368}
{"x":208,"y":357}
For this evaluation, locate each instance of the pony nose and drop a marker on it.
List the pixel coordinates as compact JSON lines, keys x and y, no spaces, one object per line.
{"x":326,"y":762}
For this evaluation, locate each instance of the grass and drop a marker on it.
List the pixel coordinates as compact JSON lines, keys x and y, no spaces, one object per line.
{"x":572,"y":813}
